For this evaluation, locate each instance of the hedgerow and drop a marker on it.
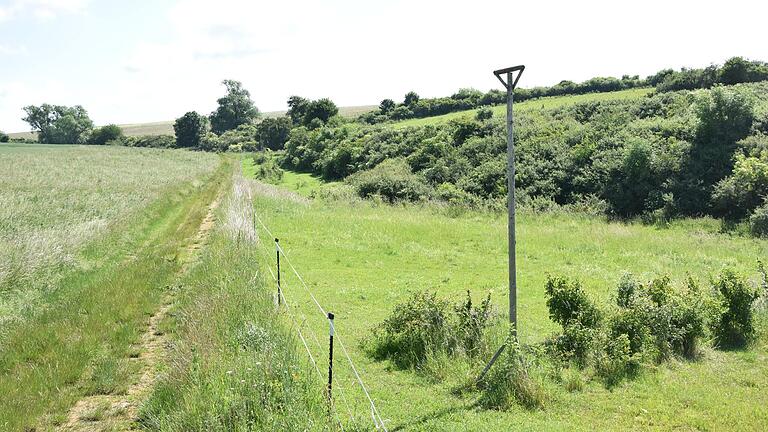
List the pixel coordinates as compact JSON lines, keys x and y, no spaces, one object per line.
{"x":666,"y":155}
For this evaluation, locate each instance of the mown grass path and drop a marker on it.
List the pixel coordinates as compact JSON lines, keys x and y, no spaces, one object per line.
{"x":120,"y":411}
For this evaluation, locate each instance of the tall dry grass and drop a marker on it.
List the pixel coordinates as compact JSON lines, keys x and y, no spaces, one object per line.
{"x":55,"y":199}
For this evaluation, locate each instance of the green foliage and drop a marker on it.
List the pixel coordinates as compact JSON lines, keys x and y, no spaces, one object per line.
{"x":734,"y":328}
{"x":483,"y":114}
{"x":568,"y":303}
{"x":105,"y":134}
{"x":321,"y":109}
{"x":724,"y":117}
{"x":758,"y":221}
{"x":425,"y":326}
{"x":267,"y":169}
{"x":472,"y":322}
{"x":151,"y":141}
{"x":58,"y":124}
{"x":512,"y":381}
{"x":4,"y":138}
{"x":411,"y":98}
{"x":391,"y":180}
{"x":235,"y":108}
{"x":191,"y":129}
{"x":310,"y":113}
{"x":744,"y":190}
{"x":273,"y":133}
{"x":386,"y":106}
{"x":631,"y":182}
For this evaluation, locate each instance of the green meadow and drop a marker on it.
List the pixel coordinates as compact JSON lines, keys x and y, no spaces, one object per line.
{"x":360,"y":259}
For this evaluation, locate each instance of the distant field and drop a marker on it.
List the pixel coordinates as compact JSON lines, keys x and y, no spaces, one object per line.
{"x":166,"y":127}
{"x":533,"y":104}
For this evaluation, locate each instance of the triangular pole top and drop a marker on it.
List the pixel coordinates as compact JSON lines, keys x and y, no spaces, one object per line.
{"x":501,"y":72}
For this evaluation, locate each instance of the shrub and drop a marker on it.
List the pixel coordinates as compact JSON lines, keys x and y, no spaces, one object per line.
{"x":615,"y":360}
{"x":483,"y":114}
{"x":657,"y":315}
{"x":272,"y":133}
{"x":392,"y":180}
{"x":423,"y":328}
{"x":414,"y":329}
{"x":568,"y":303}
{"x":510,"y":381}
{"x":190,"y":129}
{"x":758,"y":221}
{"x":104,"y":134}
{"x":267,"y":169}
{"x":576,"y":343}
{"x":472,"y":322}
{"x":4,"y":138}
{"x":152,"y":141}
{"x":734,"y":327}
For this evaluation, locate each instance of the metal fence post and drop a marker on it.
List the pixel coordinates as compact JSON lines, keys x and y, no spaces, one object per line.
{"x":330,"y":358}
{"x":277,"y":251}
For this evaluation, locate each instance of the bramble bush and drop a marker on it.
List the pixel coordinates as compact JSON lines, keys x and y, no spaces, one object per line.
{"x":425,"y":326}
{"x":393,"y":181}
{"x":735,"y":327}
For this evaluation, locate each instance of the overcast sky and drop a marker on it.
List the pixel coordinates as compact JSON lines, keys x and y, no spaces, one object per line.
{"x":140,"y":60}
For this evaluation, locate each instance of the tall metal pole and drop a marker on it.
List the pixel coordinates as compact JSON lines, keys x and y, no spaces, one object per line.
{"x":511,"y":202}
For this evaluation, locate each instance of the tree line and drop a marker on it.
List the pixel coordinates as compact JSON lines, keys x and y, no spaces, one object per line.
{"x":735,"y":70}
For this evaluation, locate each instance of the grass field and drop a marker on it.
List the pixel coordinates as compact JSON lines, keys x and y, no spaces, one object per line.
{"x":91,"y":240}
{"x":531,"y":105}
{"x":360,"y":259}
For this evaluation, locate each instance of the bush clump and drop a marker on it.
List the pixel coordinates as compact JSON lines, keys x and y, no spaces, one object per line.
{"x":651,"y":322}
{"x":758,"y":221}
{"x":392,"y":180}
{"x":425,"y":326}
{"x":735,"y":326}
{"x":512,"y":380}
{"x":105,"y":134}
{"x":266,"y":169}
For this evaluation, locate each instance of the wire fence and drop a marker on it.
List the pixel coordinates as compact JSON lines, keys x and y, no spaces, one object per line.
{"x":301,"y":322}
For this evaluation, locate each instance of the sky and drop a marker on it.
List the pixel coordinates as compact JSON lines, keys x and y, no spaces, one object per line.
{"x":142,"y":61}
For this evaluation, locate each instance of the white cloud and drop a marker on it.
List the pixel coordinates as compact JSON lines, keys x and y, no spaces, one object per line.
{"x":8,"y":50}
{"x":41,"y":9}
{"x":359,"y":52}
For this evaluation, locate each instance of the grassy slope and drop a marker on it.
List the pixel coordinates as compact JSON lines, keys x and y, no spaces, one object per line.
{"x":541,"y":103}
{"x":361,"y":260}
{"x":166,"y":127}
{"x":80,"y":341}
{"x":305,"y":184}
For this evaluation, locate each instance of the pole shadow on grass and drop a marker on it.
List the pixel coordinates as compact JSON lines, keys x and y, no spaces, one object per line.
{"x":435,"y":415}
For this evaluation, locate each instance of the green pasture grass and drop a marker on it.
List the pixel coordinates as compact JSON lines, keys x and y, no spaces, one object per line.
{"x":305,"y":184}
{"x":531,"y":105}
{"x":77,"y":337}
{"x":361,"y":259}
